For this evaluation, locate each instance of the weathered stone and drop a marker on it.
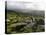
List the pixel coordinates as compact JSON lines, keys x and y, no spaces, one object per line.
{"x":41,"y":26}
{"x":16,"y":24}
{"x":28,"y":21}
{"x":8,"y":20}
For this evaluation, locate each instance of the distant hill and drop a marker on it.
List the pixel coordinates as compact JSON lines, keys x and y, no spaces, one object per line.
{"x":28,"y":13}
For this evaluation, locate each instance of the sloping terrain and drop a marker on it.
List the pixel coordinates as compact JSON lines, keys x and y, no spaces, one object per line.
{"x":21,"y":23}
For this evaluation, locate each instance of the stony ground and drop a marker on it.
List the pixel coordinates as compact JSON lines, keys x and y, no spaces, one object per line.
{"x":17,"y":23}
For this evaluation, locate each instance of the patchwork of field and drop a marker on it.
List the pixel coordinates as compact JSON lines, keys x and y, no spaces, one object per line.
{"x":18,"y":23}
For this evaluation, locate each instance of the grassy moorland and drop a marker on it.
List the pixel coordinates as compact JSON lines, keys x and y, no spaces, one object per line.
{"x":19,"y":23}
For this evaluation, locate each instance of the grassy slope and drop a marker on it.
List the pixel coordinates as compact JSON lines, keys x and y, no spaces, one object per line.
{"x":16,"y":18}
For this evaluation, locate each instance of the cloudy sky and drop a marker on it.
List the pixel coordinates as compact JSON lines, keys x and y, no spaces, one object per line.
{"x":23,"y":4}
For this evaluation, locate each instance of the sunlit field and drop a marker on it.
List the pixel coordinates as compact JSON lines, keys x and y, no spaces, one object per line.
{"x":19,"y":23}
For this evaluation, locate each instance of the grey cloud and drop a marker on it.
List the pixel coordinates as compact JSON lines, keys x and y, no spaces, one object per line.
{"x":25,"y":7}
